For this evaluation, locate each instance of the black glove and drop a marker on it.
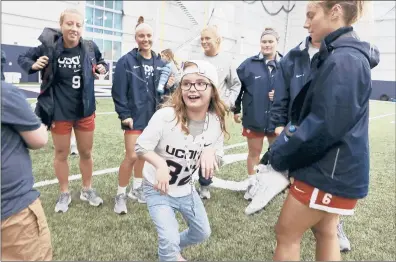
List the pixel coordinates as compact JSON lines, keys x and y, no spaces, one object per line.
{"x":265,"y":159}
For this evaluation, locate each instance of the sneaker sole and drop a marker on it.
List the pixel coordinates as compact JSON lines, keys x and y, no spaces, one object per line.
{"x":85,"y":199}
{"x":121,"y":213}
{"x":344,"y":250}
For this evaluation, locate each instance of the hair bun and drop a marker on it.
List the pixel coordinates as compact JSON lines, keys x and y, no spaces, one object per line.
{"x":268,"y":28}
{"x":140,"y":20}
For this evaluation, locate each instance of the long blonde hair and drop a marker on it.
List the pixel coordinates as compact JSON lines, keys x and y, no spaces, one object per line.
{"x":216,"y":106}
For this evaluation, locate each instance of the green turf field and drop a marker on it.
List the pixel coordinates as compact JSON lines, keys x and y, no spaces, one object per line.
{"x":89,"y":233}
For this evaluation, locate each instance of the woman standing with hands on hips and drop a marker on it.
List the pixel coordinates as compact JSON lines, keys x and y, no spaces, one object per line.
{"x":136,"y":99}
{"x":328,"y":153}
{"x":69,"y":66}
{"x":185,"y":136}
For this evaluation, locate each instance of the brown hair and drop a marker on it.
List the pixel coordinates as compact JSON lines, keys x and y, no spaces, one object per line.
{"x":353,"y":10}
{"x":140,"y":21}
{"x":69,"y":11}
{"x":215,"y":106}
{"x":169,"y":53}
{"x":270,"y":31}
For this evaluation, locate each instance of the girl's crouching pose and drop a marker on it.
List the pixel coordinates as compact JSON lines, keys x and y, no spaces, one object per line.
{"x":186,"y":135}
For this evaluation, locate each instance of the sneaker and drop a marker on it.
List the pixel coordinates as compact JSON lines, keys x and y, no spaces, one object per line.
{"x":120,"y":204}
{"x":270,"y":184}
{"x":63,"y":202}
{"x":91,"y":196}
{"x":204,"y":192}
{"x":252,"y":187}
{"x":73,"y":150}
{"x":345,"y":245}
{"x":137,"y":194}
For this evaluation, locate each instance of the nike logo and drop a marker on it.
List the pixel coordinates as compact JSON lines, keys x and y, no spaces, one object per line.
{"x":134,"y":67}
{"x":298,"y":76}
{"x":299,"y":190}
{"x":75,"y":71}
{"x":205,"y":145}
{"x":257,"y":77}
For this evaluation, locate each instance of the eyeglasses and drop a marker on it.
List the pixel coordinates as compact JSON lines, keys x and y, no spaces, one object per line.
{"x":200,"y":86}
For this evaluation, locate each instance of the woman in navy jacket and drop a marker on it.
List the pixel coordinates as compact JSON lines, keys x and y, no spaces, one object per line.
{"x":136,"y":99}
{"x":257,"y":77}
{"x":293,"y":71}
{"x":328,"y":154}
{"x":69,"y":66}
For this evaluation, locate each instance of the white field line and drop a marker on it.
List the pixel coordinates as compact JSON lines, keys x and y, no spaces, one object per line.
{"x":381,"y":116}
{"x":227,"y":158}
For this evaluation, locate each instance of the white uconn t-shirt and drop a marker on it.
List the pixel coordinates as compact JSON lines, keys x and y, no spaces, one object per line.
{"x":168,"y":140}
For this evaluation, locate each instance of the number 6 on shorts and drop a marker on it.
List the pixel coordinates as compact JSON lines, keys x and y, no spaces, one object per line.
{"x":327,"y":199}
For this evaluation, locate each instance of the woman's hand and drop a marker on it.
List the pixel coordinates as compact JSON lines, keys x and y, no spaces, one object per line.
{"x":208,"y":162}
{"x":41,"y":62}
{"x":171,"y":81}
{"x":128,"y":122}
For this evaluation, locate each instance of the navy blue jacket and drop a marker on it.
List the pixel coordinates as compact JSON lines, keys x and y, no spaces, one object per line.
{"x":330,"y":149}
{"x":3,"y":62}
{"x":131,"y":95}
{"x":293,"y":73}
{"x":52,"y":47}
{"x":257,"y":82}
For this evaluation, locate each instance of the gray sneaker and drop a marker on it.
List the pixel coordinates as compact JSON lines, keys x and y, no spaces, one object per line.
{"x":137,"y":194}
{"x":343,"y":240}
{"x":204,"y":192}
{"x":64,"y":200}
{"x":91,"y":196}
{"x":120,"y":204}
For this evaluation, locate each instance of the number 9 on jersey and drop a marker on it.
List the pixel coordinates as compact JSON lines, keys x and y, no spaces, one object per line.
{"x":76,"y":82}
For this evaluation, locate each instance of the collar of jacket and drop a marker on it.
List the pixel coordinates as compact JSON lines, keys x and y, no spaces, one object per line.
{"x":260,"y":57}
{"x":326,"y":46}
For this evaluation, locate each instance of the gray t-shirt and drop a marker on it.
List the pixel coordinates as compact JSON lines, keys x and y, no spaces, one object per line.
{"x":17,"y":180}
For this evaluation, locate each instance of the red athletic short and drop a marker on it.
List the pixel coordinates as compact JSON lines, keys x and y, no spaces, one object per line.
{"x":253,"y":134}
{"x":317,"y":199}
{"x":65,"y":127}
{"x":133,"y":132}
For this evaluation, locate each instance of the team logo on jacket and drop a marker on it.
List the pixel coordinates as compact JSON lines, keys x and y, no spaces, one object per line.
{"x":148,"y":70}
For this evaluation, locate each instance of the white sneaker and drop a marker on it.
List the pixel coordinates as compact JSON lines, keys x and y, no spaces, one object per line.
{"x":204,"y":192}
{"x":120,"y":204}
{"x":63,"y":202}
{"x":270,"y":184}
{"x":73,"y":150}
{"x":345,"y":245}
{"x":252,"y":187}
{"x":137,"y":194}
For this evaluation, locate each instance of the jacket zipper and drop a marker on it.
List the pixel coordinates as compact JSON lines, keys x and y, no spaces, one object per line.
{"x":335,"y":163}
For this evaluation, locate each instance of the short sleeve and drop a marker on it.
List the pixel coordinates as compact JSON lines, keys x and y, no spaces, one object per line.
{"x":16,"y":111}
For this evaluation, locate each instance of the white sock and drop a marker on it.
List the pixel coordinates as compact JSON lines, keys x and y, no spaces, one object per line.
{"x":137,"y":182}
{"x":121,"y":190}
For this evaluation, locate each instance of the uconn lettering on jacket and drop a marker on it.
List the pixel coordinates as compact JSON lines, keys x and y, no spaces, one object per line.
{"x":69,"y":62}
